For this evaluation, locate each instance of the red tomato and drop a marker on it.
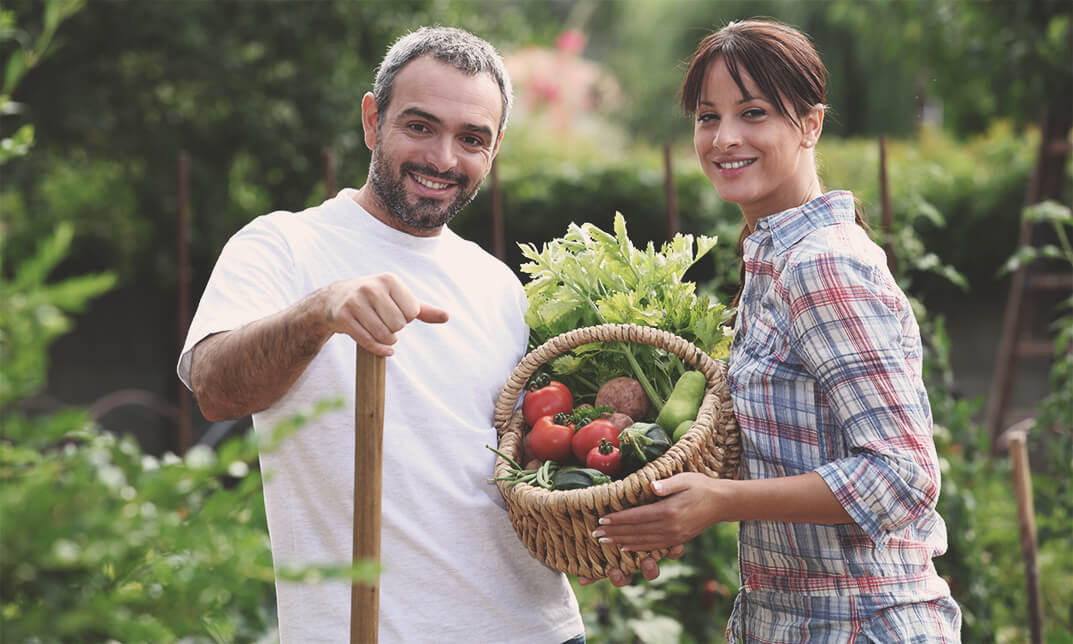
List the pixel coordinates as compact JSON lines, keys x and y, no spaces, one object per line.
{"x":605,"y":457}
{"x":553,"y":398}
{"x":589,"y":437}
{"x":550,"y":440}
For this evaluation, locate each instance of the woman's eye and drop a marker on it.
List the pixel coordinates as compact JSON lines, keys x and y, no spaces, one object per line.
{"x":708,"y":116}
{"x":754,"y":113}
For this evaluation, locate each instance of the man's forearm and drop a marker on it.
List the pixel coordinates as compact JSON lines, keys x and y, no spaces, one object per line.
{"x":245,"y":370}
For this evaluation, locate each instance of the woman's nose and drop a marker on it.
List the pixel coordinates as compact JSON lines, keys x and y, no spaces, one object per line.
{"x":728,"y":136}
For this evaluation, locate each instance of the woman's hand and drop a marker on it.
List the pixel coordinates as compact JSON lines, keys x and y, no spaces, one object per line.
{"x":692,"y":502}
{"x":649,"y":568}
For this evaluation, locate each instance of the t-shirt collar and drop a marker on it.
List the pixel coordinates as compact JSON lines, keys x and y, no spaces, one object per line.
{"x":347,"y":212}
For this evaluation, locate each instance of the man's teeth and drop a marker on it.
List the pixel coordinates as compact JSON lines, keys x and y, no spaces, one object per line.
{"x":429,"y":184}
{"x":733,"y":165}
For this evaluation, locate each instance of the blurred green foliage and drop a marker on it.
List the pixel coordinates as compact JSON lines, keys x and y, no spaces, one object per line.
{"x":100,"y":540}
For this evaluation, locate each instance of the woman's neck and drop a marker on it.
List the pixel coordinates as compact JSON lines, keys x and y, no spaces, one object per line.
{"x":805,"y":193}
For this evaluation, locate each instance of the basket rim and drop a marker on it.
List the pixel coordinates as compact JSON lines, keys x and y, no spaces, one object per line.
{"x":716,"y":391}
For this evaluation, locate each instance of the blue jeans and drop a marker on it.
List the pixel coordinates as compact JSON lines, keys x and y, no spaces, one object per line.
{"x":580,"y":639}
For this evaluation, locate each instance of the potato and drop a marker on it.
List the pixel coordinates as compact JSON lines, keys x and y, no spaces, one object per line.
{"x":621,"y":421}
{"x":624,"y":395}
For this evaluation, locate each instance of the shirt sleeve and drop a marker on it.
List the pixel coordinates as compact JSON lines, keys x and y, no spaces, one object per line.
{"x":253,"y":278}
{"x":846,"y":326}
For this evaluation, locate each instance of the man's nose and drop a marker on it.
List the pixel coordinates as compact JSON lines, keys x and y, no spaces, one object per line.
{"x":441,"y":154}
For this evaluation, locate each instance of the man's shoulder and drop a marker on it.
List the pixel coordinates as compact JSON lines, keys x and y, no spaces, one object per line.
{"x":476,"y":256}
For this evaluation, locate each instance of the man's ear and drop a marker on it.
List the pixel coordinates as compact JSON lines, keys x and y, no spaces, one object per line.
{"x":812,"y":125}
{"x":370,"y":115}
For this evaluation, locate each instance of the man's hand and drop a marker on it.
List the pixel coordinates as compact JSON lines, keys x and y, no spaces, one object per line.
{"x":236,"y":373}
{"x":649,"y":568}
{"x":373,"y":309}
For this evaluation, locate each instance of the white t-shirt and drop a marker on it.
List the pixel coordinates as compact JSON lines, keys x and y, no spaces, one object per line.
{"x":453,"y":570}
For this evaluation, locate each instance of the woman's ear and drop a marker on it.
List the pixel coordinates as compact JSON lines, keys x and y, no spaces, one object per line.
{"x":812,"y":125}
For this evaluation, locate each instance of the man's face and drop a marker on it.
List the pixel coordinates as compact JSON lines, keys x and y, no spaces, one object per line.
{"x":434,"y":146}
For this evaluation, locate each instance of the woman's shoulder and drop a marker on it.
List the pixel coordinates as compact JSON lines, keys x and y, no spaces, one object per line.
{"x":839,"y":255}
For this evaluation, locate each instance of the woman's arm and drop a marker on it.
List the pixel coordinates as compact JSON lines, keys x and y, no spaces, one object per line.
{"x":693,"y":502}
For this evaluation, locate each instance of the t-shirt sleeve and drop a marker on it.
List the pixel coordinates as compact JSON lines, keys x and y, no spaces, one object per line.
{"x":846,"y":328}
{"x":253,"y":278}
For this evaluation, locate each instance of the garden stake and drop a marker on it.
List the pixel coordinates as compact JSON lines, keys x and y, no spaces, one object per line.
{"x":1026,"y":517}
{"x":368,"y":464}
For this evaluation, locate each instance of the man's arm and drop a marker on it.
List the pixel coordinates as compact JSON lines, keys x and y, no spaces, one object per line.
{"x":236,"y":373}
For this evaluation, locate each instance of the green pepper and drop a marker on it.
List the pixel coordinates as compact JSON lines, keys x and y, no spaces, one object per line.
{"x":642,"y":443}
{"x":684,"y":401}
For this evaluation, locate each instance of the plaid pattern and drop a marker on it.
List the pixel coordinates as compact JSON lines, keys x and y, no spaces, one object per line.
{"x":784,"y":618}
{"x":825,"y":376}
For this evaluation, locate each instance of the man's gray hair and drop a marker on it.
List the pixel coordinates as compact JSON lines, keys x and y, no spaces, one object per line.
{"x":456,"y":47}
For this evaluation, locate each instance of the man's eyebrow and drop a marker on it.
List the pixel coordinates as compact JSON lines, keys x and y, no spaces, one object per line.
{"x":420,"y":113}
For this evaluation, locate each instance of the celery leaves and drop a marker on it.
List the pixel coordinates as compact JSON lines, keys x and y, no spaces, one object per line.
{"x":589,"y":277}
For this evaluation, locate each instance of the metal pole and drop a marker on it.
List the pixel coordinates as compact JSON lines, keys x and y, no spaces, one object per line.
{"x":886,"y":213}
{"x":185,"y":429}
{"x":499,"y":242}
{"x":329,"y":172}
{"x":668,"y":188}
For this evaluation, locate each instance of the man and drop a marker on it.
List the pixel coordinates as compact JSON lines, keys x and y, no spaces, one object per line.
{"x":275,"y":332}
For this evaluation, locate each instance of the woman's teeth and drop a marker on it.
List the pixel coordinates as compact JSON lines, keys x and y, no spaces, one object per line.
{"x":430,"y":184}
{"x":734,"y":165}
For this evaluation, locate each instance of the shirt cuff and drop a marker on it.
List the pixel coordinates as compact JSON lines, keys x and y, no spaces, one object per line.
{"x":863,"y":505}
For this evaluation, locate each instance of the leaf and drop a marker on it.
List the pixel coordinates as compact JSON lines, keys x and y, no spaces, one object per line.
{"x":1048,"y":211}
{"x":656,"y":629}
{"x":589,"y":277}
{"x":14,"y":70}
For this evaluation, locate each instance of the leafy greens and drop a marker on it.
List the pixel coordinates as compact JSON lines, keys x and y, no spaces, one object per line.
{"x":590,"y":277}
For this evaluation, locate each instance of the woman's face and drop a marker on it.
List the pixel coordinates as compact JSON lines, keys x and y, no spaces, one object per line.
{"x":754,"y":156}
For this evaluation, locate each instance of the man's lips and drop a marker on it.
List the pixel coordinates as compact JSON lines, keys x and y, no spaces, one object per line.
{"x":428,"y":183}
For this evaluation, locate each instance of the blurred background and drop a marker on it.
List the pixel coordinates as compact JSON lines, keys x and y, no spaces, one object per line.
{"x":138,"y":136}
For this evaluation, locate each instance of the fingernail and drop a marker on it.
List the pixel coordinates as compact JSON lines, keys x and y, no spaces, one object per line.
{"x":657,"y":487}
{"x":598,"y":533}
{"x":605,"y":540}
{"x":604,"y":521}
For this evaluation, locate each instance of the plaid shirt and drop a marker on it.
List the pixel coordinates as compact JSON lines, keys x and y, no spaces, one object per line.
{"x":825,"y":376}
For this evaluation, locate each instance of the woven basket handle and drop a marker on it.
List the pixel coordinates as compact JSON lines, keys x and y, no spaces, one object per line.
{"x":560,"y":344}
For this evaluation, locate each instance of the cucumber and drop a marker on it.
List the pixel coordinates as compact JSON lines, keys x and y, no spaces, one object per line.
{"x":575,"y":478}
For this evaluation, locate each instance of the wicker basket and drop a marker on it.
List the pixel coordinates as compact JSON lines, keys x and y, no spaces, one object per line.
{"x":556,"y":526}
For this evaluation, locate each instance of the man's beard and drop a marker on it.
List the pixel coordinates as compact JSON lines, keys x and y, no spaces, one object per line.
{"x":427,"y":213}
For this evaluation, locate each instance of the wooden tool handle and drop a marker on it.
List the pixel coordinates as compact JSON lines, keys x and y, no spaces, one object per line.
{"x":368,"y":465}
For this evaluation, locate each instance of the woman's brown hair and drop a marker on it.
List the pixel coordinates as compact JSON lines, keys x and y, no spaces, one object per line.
{"x":781,"y":61}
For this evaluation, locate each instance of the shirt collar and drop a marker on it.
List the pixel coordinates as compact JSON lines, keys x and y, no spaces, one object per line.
{"x":790,"y":226}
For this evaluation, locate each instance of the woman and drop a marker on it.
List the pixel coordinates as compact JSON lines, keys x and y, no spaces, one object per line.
{"x":839,"y":478}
